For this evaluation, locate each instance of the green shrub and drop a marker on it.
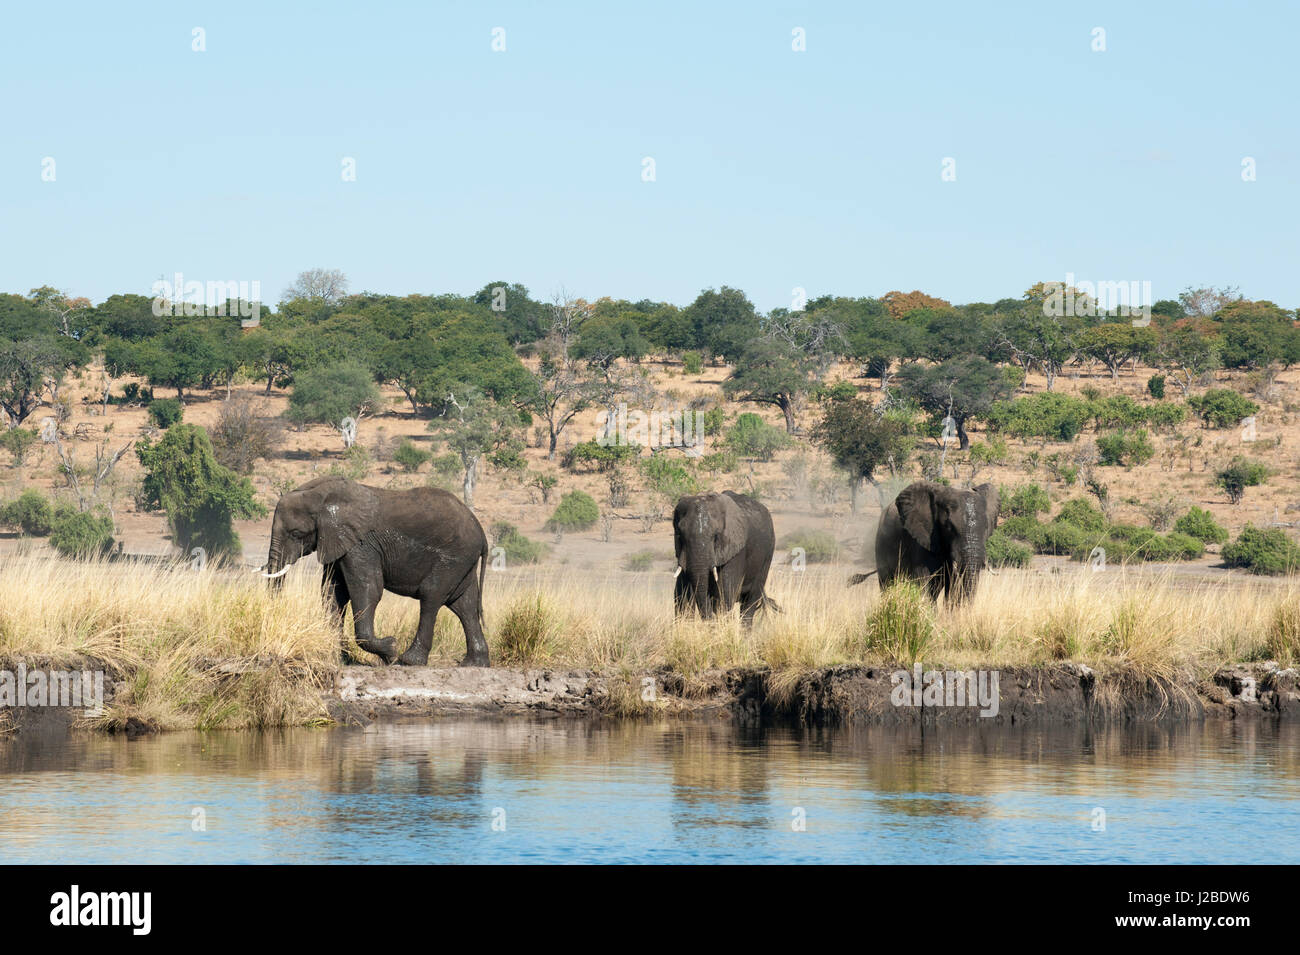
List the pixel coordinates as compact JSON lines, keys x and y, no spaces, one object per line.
{"x":18,"y":441}
{"x":1156,"y":386}
{"x":1028,"y":500}
{"x":720,"y":462}
{"x":1165,"y":415}
{"x":1222,"y":407}
{"x":642,"y":560}
{"x":1240,"y":474}
{"x":81,"y":533}
{"x":1116,"y":411}
{"x":1002,"y":551}
{"x":577,"y":511}
{"x":1125,"y":448}
{"x":818,"y":546}
{"x":752,"y":437}
{"x":992,"y":451}
{"x":668,"y":477}
{"x":1128,"y":543}
{"x":712,"y":421}
{"x":31,"y":513}
{"x":901,"y":625}
{"x":1201,"y":524}
{"x":165,"y":412}
{"x":1049,"y":415}
{"x":330,"y":393}
{"x":517,"y":548}
{"x":1263,"y":551}
{"x":447,"y":465}
{"x":409,"y":456}
{"x":1061,"y":539}
{"x":1082,"y":513}
{"x":592,"y":456}
{"x":692,"y":363}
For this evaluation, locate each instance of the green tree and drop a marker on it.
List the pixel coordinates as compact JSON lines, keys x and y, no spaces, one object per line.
{"x":200,"y":497}
{"x":333,"y":393}
{"x":770,"y":372}
{"x":473,"y":425}
{"x":962,"y":388}
{"x":862,"y":440}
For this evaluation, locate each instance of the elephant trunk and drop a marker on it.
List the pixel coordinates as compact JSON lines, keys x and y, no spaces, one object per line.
{"x":701,"y":575}
{"x":276,"y":567}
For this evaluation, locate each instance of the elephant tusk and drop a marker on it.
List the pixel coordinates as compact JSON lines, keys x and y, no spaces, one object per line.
{"x":677,"y":572}
{"x":991,"y":570}
{"x":715,"y":577}
{"x":273,"y":576}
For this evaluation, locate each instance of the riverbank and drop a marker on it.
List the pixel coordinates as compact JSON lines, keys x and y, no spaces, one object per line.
{"x":1059,"y":694}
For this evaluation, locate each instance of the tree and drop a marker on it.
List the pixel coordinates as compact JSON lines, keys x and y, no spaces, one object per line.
{"x":69,"y":314}
{"x":722,"y":321}
{"x":333,"y":393}
{"x":1188,"y":355}
{"x":563,"y":386}
{"x":961,"y":388}
{"x":27,"y":369}
{"x":328,"y":286}
{"x":862,"y":439}
{"x":900,"y":303}
{"x":199,"y":495}
{"x":474,"y":425}
{"x":1206,"y":301}
{"x":1037,"y":339}
{"x":1115,"y":343}
{"x":769,"y":371}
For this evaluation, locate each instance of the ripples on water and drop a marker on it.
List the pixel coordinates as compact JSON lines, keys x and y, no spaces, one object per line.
{"x":578,"y":792}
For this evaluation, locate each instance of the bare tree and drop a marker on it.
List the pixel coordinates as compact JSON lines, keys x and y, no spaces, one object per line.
{"x":565,"y":387}
{"x":322,"y":285}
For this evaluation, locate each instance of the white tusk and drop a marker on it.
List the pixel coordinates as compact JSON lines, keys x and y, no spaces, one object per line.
{"x":677,"y":572}
{"x":991,"y":570}
{"x":715,"y":577}
{"x":273,"y":576}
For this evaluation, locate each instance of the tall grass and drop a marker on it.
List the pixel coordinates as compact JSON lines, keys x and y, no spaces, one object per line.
{"x":222,"y":649}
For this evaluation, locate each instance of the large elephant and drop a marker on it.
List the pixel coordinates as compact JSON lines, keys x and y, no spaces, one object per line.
{"x":422,"y":543}
{"x":935,"y":535}
{"x":724,"y":546}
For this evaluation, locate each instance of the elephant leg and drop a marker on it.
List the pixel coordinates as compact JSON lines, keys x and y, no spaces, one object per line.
{"x":417,"y":654}
{"x":468,"y":609}
{"x":365,"y":598}
{"x":337,"y":597}
{"x":752,"y":595}
{"x":730,"y":584}
{"x":683,"y":594}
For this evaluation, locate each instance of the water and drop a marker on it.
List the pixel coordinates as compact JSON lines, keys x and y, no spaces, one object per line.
{"x":577,"y":792}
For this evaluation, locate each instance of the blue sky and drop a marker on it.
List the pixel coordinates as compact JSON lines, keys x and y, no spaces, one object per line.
{"x":774,"y":169}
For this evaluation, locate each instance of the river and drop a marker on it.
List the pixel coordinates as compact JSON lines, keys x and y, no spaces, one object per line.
{"x":570,"y":791}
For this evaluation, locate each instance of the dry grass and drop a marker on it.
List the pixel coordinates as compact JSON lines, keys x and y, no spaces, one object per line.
{"x":222,"y":649}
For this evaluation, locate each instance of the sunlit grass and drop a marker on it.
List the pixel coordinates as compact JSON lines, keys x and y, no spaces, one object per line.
{"x":222,"y":649}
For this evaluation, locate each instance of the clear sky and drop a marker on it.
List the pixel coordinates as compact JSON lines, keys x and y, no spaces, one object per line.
{"x":774,"y":168}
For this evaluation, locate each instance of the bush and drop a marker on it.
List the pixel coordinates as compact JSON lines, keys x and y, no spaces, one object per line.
{"x":1117,"y":411}
{"x":1201,"y":524}
{"x":1156,"y":386}
{"x":992,"y":451}
{"x":81,"y":533}
{"x":31,"y":513}
{"x":752,"y":437}
{"x":668,"y":478}
{"x":1127,"y":543}
{"x":1048,"y":415}
{"x":592,"y":456}
{"x":517,"y":548}
{"x":200,"y":495}
{"x":1082,"y":513}
{"x":577,"y":511}
{"x":1002,"y":551}
{"x":1239,"y":475}
{"x":18,"y":441}
{"x":1222,"y":407}
{"x":328,"y":394}
{"x":243,"y":433}
{"x":642,"y":560}
{"x":1263,"y":551}
{"x":447,"y":465}
{"x":526,"y":633}
{"x":1125,"y":448}
{"x":1028,"y":500}
{"x":692,"y":363}
{"x":409,"y":457}
{"x":1166,"y":415}
{"x":818,"y":546}
{"x":165,"y":412}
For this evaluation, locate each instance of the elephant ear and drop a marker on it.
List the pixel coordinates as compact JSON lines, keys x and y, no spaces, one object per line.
{"x":733,"y":531}
{"x":347,"y":512}
{"x":989,"y":493}
{"x":915,"y":505}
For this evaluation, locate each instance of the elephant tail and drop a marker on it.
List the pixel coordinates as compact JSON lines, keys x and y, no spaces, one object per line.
{"x":859,"y":578}
{"x":482,"y":578}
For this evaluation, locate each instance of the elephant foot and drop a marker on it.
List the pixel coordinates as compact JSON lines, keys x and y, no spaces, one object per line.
{"x":475,"y":660}
{"x":385,"y":648}
{"x":414,"y":657}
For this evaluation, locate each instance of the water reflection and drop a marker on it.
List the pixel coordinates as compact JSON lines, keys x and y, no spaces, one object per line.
{"x":575,"y":791}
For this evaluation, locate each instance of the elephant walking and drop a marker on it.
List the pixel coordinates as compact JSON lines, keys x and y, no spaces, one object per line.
{"x":422,"y":543}
{"x":724,"y":545}
{"x":935,"y":535}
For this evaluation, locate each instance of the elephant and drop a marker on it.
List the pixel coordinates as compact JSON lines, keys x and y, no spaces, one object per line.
{"x":935,"y":535}
{"x":724,"y":545}
{"x":422,"y":543}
